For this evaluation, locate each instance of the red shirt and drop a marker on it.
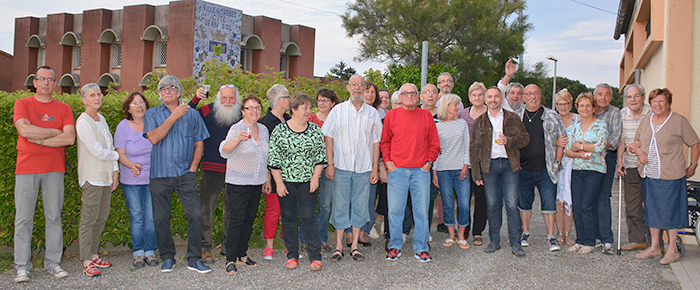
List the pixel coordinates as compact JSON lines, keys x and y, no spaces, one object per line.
{"x":32,"y":158}
{"x":409,"y":138}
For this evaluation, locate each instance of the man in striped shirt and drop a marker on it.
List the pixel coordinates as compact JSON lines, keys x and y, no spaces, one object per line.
{"x":353,"y":130}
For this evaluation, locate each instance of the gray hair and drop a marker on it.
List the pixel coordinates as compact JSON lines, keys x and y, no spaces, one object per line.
{"x":446,"y":101}
{"x":299,"y":99}
{"x":274,"y":93}
{"x":395,"y":97}
{"x":408,"y":84}
{"x":88,"y":88}
{"x":640,"y":87}
{"x":171,"y":81}
{"x":513,"y":85}
{"x":444,"y":74}
{"x":602,"y":85}
{"x":238,"y":95}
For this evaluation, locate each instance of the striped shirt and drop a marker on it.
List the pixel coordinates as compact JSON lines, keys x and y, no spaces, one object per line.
{"x":553,"y":128}
{"x":247,"y":163}
{"x":354,"y":134}
{"x":454,"y":145}
{"x":172,"y":156}
{"x":629,"y":129}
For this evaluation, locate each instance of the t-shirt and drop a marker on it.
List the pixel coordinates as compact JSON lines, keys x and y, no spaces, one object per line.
{"x":33,"y":158}
{"x":532,"y":156}
{"x":137,"y":149}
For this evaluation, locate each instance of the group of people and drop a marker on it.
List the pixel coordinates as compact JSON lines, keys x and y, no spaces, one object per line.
{"x":349,"y":160}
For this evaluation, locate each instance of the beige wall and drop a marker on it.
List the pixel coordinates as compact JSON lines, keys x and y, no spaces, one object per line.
{"x":654,"y":74}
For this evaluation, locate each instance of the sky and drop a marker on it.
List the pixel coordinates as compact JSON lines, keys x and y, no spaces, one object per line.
{"x":579,"y":36}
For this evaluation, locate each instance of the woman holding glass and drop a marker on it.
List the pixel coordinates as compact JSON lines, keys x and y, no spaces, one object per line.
{"x":659,"y":145}
{"x":296,"y":159}
{"x":564,"y":216}
{"x":587,"y":149}
{"x":245,"y":149}
{"x":135,"y":163}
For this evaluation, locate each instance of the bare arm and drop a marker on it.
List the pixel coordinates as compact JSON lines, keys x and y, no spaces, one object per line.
{"x":330,"y":170}
{"x":198,"y":152}
{"x":510,"y":71}
{"x":29,"y":131}
{"x":374,"y":176}
{"x":66,"y":138}
{"x":694,"y":155}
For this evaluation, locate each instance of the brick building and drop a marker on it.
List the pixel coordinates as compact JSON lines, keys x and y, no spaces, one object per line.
{"x":125,"y":46}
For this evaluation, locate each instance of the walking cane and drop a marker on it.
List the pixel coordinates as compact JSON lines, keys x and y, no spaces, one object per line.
{"x":619,"y":213}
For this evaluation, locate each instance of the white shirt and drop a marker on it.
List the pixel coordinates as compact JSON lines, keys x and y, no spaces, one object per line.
{"x":497,"y":151}
{"x":354,"y":134}
{"x":247,"y":163}
{"x":89,"y":138}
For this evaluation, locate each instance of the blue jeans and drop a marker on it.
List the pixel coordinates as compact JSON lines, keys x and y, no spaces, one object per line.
{"x":400,"y":181}
{"x":603,"y":221}
{"x":372,"y":202}
{"x":548,"y":191}
{"x":143,"y":232}
{"x":585,"y":188}
{"x":501,"y":186}
{"x":449,"y":180}
{"x":325,"y":187}
{"x":350,"y":189}
{"x":408,"y":218}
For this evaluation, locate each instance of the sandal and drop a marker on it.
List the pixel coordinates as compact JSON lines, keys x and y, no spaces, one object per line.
{"x":478,"y":241}
{"x":337,"y":255}
{"x":448,"y":243}
{"x":575,"y":248}
{"x":463,"y":244}
{"x":586,"y":249}
{"x":291,"y":264}
{"x":316,"y":266}
{"x":231,"y":268}
{"x":569,"y":240}
{"x":357,"y":255}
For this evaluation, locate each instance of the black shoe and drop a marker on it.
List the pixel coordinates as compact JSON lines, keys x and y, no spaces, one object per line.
{"x":442,"y":228}
{"x":365,"y":244}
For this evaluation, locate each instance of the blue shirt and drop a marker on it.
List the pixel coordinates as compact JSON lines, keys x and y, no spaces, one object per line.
{"x":172,"y":156}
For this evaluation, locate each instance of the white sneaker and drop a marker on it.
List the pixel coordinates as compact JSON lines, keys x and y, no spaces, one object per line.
{"x":430,"y":239}
{"x":373,"y":234}
{"x":58,"y":272}
{"x":22,"y":276}
{"x":404,"y":237}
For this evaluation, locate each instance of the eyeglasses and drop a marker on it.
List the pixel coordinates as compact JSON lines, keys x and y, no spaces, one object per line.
{"x":253,"y":108}
{"x":168,"y":88}
{"x":283,"y":97}
{"x":430,"y":92}
{"x":227,"y":86}
{"x":41,"y":79}
{"x":136,"y":104}
{"x":323,"y":101}
{"x":532,"y":94}
{"x":562,"y":104}
{"x":410,"y":94}
{"x":448,"y":81}
{"x":635,"y":96}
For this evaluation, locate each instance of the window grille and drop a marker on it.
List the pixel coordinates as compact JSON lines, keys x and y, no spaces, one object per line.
{"x":161,"y":53}
{"x":245,"y":59}
{"x":76,"y":57}
{"x":284,"y":64}
{"x":116,"y":55}
{"x":41,"y":57}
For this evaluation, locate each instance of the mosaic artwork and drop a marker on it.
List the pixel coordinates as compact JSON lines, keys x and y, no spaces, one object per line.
{"x":216,"y":25}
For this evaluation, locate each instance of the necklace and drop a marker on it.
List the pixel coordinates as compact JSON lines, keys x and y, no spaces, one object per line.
{"x":528,"y":115}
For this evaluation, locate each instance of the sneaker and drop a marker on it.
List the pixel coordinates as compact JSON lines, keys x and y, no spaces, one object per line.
{"x":393,"y":254}
{"x":442,"y":228}
{"x":553,"y":246}
{"x":423,"y":257}
{"x":268,"y":253}
{"x":22,"y":276}
{"x":608,"y":249}
{"x":518,"y":251}
{"x":199,"y":267}
{"x":524,"y":241}
{"x":231,"y":268}
{"x":58,"y":272}
{"x":598,"y":243}
{"x":207,"y":257}
{"x":492,"y":247}
{"x":373,"y":234}
{"x":99,"y":263}
{"x":139,"y":262}
{"x":91,"y":271}
{"x":152,"y":261}
{"x":168,"y":265}
{"x":404,"y":237}
{"x":430,"y":239}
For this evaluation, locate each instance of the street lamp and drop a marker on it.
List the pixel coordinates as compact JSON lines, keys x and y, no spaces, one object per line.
{"x":554,"y":85}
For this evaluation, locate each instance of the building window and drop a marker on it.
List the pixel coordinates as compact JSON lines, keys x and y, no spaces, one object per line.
{"x":284,"y":64}
{"x":160,"y":52}
{"x":41,"y":57}
{"x":245,"y":59}
{"x":76,"y":57}
{"x":116,"y":57}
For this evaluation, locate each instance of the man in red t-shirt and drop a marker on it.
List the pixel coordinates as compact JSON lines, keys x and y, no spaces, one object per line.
{"x":45,"y":126}
{"x":410,"y":145}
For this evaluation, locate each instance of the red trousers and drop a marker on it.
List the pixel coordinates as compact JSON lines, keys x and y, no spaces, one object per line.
{"x":272,"y":215}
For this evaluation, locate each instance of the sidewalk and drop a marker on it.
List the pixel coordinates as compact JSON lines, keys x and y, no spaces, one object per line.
{"x":452,"y":267}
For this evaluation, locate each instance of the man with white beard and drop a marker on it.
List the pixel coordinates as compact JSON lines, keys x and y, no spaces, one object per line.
{"x":218,"y":117}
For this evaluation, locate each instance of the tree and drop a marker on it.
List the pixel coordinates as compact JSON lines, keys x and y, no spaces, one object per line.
{"x":342,"y":71}
{"x":475,"y":37}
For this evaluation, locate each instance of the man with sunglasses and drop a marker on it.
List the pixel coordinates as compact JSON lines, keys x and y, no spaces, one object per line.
{"x":45,"y":126}
{"x":218,"y":117}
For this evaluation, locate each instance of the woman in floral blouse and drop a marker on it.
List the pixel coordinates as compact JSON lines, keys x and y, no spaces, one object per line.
{"x":296,"y":158}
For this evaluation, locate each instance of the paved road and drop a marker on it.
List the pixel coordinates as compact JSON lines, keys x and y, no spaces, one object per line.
{"x":452,"y":267}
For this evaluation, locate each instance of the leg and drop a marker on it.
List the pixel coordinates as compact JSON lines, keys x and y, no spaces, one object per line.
{"x":548,"y":200}
{"x":26,"y":194}
{"x":372,"y":203}
{"x":105,"y":203}
{"x":463,"y":191}
{"x":271,"y":218}
{"x":306,"y":203}
{"x":590,"y":185}
{"x":494,"y":202}
{"x":52,"y":194}
{"x":161,"y":190}
{"x":359,"y":204}
{"x":188,"y":193}
{"x":527,"y":180}
{"x":149,"y":230}
{"x":446,"y":180}
{"x":238,"y":200}
{"x":509,"y":184}
{"x":325,"y":191}
{"x":211,"y":184}
{"x":420,"y":197}
{"x":434,"y":192}
{"x":249,"y":218}
{"x":340,"y":214}
{"x":397,"y":193}
{"x":89,"y":214}
{"x":604,"y":217}
{"x":132,"y":195}
{"x":290,"y":216}
{"x":634,"y":206}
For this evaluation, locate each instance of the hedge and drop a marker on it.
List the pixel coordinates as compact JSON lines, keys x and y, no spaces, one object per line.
{"x":117,"y":228}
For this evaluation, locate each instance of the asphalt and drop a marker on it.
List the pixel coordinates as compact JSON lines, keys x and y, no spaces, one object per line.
{"x":451,"y":267}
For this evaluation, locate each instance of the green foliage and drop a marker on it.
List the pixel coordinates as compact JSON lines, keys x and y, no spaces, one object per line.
{"x":117,"y":230}
{"x":342,"y":71}
{"x":375,"y":76}
{"x":475,"y":37}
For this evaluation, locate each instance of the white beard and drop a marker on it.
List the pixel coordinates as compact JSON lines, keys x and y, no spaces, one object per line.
{"x":226,"y":116}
